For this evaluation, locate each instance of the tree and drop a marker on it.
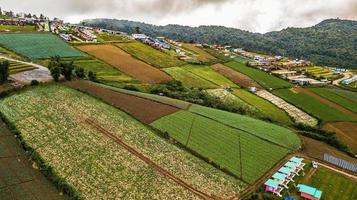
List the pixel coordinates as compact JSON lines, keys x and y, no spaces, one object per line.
{"x":67,"y":70}
{"x":137,"y":30}
{"x":4,"y":71}
{"x":55,"y":72}
{"x":42,"y":16}
{"x":79,"y":72}
{"x":92,"y":76}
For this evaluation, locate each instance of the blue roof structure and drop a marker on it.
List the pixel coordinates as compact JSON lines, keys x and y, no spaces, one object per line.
{"x":285,"y":170}
{"x":296,"y":159}
{"x":271,"y":183}
{"x":289,"y":198}
{"x":310,"y":190}
{"x":291,"y":164}
{"x":279,"y":176}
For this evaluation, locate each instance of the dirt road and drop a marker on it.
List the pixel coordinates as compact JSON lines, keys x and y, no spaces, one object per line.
{"x":346,"y":75}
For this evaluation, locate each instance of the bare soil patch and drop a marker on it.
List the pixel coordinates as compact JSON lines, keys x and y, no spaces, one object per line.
{"x":316,"y":149}
{"x":236,"y":77}
{"x":126,"y":63}
{"x":142,"y":109}
{"x":325,"y":101}
{"x":346,"y":131}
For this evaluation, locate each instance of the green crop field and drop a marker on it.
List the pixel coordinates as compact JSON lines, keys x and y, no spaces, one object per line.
{"x":108,"y":37}
{"x":38,"y":45}
{"x":150,"y":55}
{"x":265,"y":107}
{"x":189,"y":79}
{"x":264,"y":79}
{"x":17,"y":28}
{"x":333,"y":185}
{"x":16,"y":67}
{"x":104,"y":71}
{"x":311,"y":105}
{"x":214,"y":135}
{"x":61,"y":124}
{"x":335,"y":97}
{"x":210,"y":75}
{"x":352,"y":96}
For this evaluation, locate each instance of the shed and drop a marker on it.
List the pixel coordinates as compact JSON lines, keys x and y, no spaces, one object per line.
{"x":308,"y":192}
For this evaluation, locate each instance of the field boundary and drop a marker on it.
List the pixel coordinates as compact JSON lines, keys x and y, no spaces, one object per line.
{"x":148,"y":161}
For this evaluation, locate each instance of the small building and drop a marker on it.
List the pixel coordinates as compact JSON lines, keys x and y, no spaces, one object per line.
{"x":281,"y":179}
{"x":308,"y":192}
{"x":273,"y":187}
{"x":139,"y":36}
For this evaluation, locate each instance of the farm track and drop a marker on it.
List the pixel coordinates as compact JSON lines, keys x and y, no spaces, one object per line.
{"x":144,"y":110}
{"x":326,"y":101}
{"x":148,"y":161}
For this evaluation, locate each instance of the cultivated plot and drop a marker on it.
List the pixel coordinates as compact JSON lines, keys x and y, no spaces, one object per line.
{"x":38,"y":45}
{"x":104,"y":153}
{"x":126,"y":63}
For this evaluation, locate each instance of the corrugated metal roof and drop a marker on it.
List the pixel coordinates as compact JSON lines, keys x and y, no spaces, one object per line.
{"x":279,"y":176}
{"x":271,"y":183}
{"x":310,"y":190}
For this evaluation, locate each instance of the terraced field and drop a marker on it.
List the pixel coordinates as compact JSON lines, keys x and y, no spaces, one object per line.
{"x":310,"y":105}
{"x":38,"y":45}
{"x":150,"y":55}
{"x":201,"y":55}
{"x":104,"y":153}
{"x":189,"y":79}
{"x":265,"y":107}
{"x":126,"y":63}
{"x":210,"y":75}
{"x":246,"y":147}
{"x":264,"y":79}
{"x":16,"y":67}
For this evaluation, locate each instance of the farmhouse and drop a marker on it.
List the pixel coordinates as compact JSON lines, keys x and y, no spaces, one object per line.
{"x":308,"y":192}
{"x":139,"y":36}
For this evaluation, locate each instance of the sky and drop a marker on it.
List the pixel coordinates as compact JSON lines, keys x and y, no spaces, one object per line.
{"x":252,"y":15}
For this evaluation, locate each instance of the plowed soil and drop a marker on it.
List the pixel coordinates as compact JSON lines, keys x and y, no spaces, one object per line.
{"x":235,"y":76}
{"x":346,"y":131}
{"x":144,"y":110}
{"x":126,"y":63}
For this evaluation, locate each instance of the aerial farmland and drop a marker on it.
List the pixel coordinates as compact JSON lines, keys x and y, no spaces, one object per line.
{"x":90,"y":112}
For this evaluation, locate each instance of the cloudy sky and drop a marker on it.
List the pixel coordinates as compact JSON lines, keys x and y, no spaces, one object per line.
{"x":253,"y":15}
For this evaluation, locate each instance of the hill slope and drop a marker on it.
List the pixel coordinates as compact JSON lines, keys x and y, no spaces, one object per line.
{"x":332,"y":42}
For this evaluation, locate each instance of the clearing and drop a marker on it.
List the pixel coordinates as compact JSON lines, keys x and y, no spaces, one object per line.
{"x":235,"y":76}
{"x":126,"y":63}
{"x":38,"y":45}
{"x":264,"y":79}
{"x":152,"y":56}
{"x":104,"y":153}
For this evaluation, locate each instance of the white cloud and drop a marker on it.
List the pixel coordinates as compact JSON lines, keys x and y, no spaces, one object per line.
{"x":253,"y":15}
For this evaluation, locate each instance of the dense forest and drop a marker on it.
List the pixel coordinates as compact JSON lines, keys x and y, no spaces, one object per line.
{"x":332,"y":42}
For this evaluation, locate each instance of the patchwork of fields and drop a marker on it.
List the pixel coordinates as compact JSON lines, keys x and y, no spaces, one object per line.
{"x":38,"y":45}
{"x":264,"y":79}
{"x":246,"y":147}
{"x":150,"y":55}
{"x":68,"y":129}
{"x":310,"y":105}
{"x":126,"y":63}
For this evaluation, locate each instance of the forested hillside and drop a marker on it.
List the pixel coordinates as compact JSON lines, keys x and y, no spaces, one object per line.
{"x":332,"y":42}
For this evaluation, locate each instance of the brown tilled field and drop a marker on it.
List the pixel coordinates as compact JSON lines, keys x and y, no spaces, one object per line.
{"x":346,"y":131}
{"x":235,"y":76}
{"x":126,"y":63}
{"x":144,"y":110}
{"x":316,"y":149}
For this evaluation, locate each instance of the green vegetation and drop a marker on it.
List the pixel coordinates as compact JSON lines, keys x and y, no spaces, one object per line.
{"x":244,"y":154}
{"x":352,"y":96}
{"x":335,"y":97}
{"x":264,"y":79}
{"x":334,"y":185}
{"x":59,"y":125}
{"x":4,"y":71}
{"x":108,"y":37}
{"x":105,"y":72}
{"x":17,"y":28}
{"x":313,"y":106}
{"x":268,"y":110}
{"x":210,"y":75}
{"x":38,"y":45}
{"x":318,"y":72}
{"x":188,"y":78}
{"x":329,"y":43}
{"x":201,"y":54}
{"x":16,"y":67}
{"x":150,"y":55}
